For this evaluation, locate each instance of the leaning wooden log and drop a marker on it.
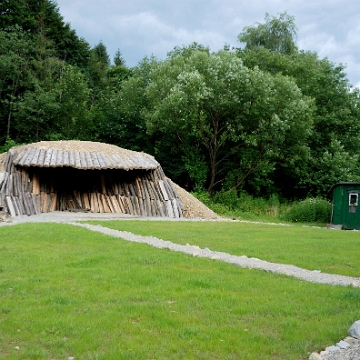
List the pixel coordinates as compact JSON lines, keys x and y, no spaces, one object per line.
{"x":36,"y":184}
{"x":145,"y":192}
{"x":133,"y":205}
{"x":26,"y":205}
{"x":2,"y":177}
{"x":115,"y":203}
{"x":138,"y":185}
{"x":93,"y":203}
{"x":37,"y":203}
{"x":9,"y":185}
{"x":153,"y":208}
{"x":100,"y":204}
{"x":109,"y":203}
{"x":175,"y":208}
{"x":103,"y":184}
{"x":123,"y":204}
{"x":141,"y":207}
{"x":3,"y":205}
{"x":17,"y":184}
{"x":4,"y":182}
{"x":154,"y":193}
{"x":43,"y":197}
{"x":16,"y":205}
{"x":6,"y":162}
{"x":133,"y":190}
{"x":169,"y":209}
{"x":10,"y":206}
{"x":149,"y":190}
{"x":13,"y":190}
{"x":48,"y":202}
{"x":126,"y":189}
{"x":160,"y":208}
{"x":137,"y":206}
{"x":120,"y":204}
{"x":85,"y":200}
{"x":20,"y":204}
{"x":163,"y":190}
{"x":147,"y":207}
{"x":129,"y":205}
{"x":53,"y":202}
{"x":121,"y":189}
{"x":169,"y":189}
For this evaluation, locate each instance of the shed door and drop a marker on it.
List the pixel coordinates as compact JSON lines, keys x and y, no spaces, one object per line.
{"x":353,"y":215}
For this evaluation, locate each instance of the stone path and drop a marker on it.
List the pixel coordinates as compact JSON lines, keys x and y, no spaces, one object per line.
{"x":242,"y":261}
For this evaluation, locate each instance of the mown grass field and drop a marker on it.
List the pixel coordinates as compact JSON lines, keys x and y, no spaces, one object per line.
{"x":66,"y":291}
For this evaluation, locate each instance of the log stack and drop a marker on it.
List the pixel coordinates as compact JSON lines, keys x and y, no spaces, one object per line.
{"x":38,"y":181}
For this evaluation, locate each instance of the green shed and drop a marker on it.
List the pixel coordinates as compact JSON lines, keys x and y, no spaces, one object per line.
{"x":345,"y":205}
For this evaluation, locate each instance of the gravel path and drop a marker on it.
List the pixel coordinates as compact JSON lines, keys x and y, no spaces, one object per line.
{"x":242,"y":261}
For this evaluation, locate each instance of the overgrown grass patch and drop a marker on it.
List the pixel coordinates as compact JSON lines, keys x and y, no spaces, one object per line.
{"x":66,"y":291}
{"x":330,"y":251}
{"x":243,"y":206}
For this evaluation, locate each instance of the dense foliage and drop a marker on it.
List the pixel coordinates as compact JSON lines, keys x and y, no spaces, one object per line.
{"x":265,"y":118}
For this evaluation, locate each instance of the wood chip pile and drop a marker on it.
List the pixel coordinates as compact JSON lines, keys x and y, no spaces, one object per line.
{"x":85,"y":176}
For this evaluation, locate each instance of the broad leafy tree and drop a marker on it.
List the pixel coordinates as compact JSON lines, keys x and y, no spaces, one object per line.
{"x":216,"y":101}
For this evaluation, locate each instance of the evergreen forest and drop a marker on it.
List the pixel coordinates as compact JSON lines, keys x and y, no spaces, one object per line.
{"x":265,"y":118}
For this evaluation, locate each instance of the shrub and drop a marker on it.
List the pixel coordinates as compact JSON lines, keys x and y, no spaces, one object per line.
{"x":309,"y":210}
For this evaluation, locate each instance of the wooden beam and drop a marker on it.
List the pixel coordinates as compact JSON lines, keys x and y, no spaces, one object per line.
{"x":34,"y":160}
{"x":48,"y":157}
{"x":53,"y":161}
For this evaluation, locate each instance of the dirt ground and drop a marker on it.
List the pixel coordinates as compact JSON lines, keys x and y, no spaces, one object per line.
{"x":193,"y":207}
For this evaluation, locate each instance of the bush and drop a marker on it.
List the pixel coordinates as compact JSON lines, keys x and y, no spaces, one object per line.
{"x":8,"y":145}
{"x":309,"y":210}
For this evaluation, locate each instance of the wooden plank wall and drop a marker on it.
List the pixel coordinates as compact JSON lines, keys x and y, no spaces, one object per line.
{"x":149,"y":193}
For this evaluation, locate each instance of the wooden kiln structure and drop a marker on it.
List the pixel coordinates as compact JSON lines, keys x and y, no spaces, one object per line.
{"x":85,"y":176}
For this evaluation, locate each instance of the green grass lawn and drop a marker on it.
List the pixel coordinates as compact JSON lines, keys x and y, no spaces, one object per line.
{"x":331,"y":251}
{"x":66,"y":291}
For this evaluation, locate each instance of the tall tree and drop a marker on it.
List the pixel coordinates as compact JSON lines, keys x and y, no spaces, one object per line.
{"x":15,"y":74}
{"x":335,"y":119}
{"x":276,"y":34}
{"x":35,"y":16}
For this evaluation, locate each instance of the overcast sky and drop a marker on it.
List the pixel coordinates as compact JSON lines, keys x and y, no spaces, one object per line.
{"x":141,"y":28}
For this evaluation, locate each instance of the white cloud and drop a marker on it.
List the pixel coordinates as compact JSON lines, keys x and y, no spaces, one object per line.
{"x":145,"y":27}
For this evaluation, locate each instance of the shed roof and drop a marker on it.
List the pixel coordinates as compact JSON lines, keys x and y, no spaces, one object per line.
{"x":343,"y":183}
{"x":81,"y":155}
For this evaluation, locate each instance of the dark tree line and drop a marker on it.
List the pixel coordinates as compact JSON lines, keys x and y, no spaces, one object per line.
{"x":266,"y":117}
